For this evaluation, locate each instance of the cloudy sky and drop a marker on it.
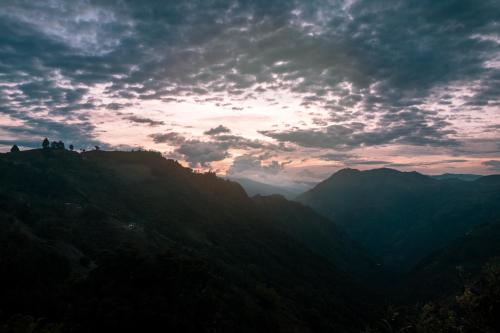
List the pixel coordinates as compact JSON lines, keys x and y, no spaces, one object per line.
{"x":276,"y":90}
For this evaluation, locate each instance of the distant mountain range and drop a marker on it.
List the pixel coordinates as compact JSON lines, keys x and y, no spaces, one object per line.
{"x":401,"y":217}
{"x":457,"y":176}
{"x":253,"y":187}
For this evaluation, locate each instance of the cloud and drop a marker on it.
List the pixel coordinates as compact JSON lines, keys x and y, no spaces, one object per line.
{"x":21,"y":143}
{"x":419,"y":164}
{"x":493,"y":165}
{"x":169,"y":137}
{"x":378,"y":75}
{"x":88,"y":28}
{"x":366,"y":162}
{"x":34,"y":129}
{"x":199,"y":153}
{"x":479,"y":147}
{"x":335,"y":156}
{"x":352,"y":160}
{"x":221,"y":140}
{"x":252,"y":166}
{"x":143,"y":120}
{"x":412,"y":128}
{"x":304,"y":47}
{"x":217,"y":130}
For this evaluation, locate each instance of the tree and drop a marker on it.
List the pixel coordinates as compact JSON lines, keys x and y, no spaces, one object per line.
{"x":97,"y":148}
{"x":14,"y":149}
{"x":45,"y":143}
{"x":59,"y":145}
{"x":71,"y":147}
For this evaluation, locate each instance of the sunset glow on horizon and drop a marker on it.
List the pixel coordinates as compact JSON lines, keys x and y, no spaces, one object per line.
{"x":283,"y":92}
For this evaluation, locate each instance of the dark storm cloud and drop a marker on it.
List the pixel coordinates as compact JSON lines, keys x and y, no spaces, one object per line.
{"x":381,"y":56}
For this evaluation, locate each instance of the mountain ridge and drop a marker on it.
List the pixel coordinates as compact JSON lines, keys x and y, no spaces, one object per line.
{"x":403,"y":216}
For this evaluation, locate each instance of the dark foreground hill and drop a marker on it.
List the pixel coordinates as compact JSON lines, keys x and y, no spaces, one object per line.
{"x":130,"y":241}
{"x":402,"y":217}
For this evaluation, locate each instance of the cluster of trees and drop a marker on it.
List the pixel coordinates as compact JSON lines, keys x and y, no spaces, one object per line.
{"x":55,"y":145}
{"x":46,"y":144}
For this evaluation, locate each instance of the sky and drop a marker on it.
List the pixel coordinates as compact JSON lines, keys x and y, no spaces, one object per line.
{"x":280,"y":91}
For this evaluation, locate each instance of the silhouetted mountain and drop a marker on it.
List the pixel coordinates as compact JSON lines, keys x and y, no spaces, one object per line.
{"x":253,"y":187}
{"x":130,"y":241}
{"x":458,"y":176}
{"x":401,"y":217}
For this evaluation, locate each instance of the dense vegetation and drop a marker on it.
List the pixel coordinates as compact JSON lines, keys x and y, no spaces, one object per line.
{"x":402,"y":217}
{"x":121,"y":241}
{"x":130,"y":241}
{"x":475,"y":309}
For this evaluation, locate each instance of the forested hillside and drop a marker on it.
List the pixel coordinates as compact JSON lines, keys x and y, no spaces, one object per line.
{"x":125,"y":241}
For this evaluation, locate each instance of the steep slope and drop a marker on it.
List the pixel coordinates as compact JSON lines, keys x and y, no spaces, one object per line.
{"x":449,"y":269}
{"x":321,"y":236}
{"x":115,"y":241}
{"x":402,"y":217}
